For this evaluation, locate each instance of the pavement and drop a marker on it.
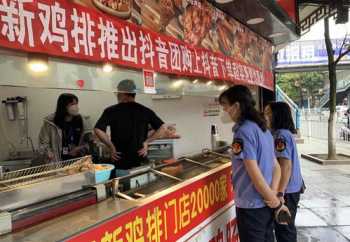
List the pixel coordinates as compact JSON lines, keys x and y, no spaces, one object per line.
{"x":324,"y":213}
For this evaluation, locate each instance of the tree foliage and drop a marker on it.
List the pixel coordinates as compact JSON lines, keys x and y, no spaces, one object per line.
{"x":301,"y":85}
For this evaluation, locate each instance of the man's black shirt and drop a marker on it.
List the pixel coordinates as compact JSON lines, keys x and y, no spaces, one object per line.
{"x":129,"y":123}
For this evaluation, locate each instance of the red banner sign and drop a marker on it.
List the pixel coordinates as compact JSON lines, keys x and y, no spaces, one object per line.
{"x":60,"y":28}
{"x":169,"y":217}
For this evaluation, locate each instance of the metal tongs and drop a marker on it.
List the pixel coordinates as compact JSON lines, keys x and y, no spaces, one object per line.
{"x":208,"y":151}
{"x":115,"y":190}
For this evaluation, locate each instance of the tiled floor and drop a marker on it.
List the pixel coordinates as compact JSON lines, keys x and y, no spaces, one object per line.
{"x":320,"y":234}
{"x":324,"y":213}
{"x":307,"y":218}
{"x":345,"y":230}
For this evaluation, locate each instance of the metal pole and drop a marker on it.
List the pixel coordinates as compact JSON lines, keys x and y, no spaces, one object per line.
{"x":1,"y":173}
{"x":308,"y":118}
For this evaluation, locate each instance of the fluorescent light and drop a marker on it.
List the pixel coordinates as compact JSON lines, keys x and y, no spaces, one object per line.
{"x":38,"y":63}
{"x":223,"y":1}
{"x":209,"y":83}
{"x":38,"y":66}
{"x":278,"y":34}
{"x":254,"y":21}
{"x":195,"y":81}
{"x":107,"y":68}
{"x":177,"y":84}
{"x":223,"y":87}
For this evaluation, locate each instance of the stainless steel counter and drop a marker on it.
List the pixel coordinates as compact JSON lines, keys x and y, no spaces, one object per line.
{"x":64,"y":226}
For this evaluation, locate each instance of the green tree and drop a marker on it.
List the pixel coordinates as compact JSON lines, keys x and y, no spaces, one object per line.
{"x":300,"y":86}
{"x":332,"y":72}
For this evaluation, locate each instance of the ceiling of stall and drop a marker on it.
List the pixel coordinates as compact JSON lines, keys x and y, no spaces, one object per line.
{"x":276,"y":26}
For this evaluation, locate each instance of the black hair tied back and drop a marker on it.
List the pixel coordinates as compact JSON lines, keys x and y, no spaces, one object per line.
{"x":244,"y":97}
{"x":282,"y":117}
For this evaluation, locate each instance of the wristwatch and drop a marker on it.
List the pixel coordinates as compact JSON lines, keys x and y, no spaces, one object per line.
{"x":280,"y":194}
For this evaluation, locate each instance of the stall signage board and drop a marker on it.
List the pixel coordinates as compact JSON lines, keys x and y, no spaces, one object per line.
{"x":149,"y":82}
{"x":172,"y":217}
{"x":63,"y":28}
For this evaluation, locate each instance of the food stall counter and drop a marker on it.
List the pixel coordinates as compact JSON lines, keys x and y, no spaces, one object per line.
{"x":64,"y":226}
{"x":188,"y":196}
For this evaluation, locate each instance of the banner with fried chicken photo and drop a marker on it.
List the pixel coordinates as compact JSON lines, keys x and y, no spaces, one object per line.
{"x":195,"y":22}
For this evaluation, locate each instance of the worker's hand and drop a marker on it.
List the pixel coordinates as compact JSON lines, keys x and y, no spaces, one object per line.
{"x":282,"y":200}
{"x":274,"y":203}
{"x":170,"y":132}
{"x":144,"y":150}
{"x":115,"y":155}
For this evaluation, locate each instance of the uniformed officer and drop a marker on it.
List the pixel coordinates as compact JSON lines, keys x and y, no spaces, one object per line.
{"x":255,"y":169}
{"x":280,"y":121}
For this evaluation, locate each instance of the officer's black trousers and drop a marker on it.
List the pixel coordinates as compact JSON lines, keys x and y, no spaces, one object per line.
{"x":255,"y":225}
{"x":288,"y":233}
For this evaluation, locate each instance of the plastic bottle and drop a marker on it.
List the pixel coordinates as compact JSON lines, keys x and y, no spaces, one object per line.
{"x":214,"y":136}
